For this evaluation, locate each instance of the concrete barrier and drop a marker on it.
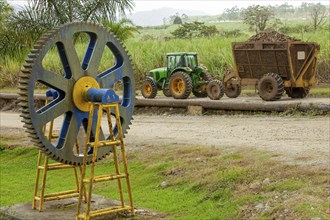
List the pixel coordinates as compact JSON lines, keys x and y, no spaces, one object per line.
{"x":238,"y":104}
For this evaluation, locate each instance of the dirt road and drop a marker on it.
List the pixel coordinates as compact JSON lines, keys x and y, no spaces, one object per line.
{"x":295,"y":140}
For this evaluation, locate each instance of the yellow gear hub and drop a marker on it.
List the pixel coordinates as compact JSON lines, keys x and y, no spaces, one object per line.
{"x":79,"y":92}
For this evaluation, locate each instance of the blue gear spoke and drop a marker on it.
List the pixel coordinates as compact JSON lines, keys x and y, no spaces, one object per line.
{"x":110,"y":77}
{"x":94,"y":54}
{"x":72,"y":58}
{"x":50,"y":112}
{"x":68,"y":135}
{"x":54,"y":80}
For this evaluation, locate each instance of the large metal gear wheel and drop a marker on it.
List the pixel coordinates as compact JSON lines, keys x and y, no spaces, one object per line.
{"x":34,"y":72}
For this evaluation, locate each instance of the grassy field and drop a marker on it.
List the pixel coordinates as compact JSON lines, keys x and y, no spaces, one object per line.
{"x":188,"y":182}
{"x":148,"y":49}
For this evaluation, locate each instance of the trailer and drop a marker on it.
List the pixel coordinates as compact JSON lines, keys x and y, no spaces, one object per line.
{"x":273,"y":67}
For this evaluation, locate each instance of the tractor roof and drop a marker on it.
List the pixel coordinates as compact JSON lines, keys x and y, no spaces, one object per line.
{"x":181,"y":53}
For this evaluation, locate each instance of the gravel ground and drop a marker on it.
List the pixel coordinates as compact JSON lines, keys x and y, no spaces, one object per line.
{"x":294,"y":140}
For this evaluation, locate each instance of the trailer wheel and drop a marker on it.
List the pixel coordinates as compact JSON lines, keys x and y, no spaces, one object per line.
{"x":297,"y":93}
{"x":271,"y":87}
{"x":232,"y":90}
{"x":180,"y":85}
{"x":215,"y":89}
{"x":167,"y":92}
{"x":201,"y":91}
{"x":149,"y":88}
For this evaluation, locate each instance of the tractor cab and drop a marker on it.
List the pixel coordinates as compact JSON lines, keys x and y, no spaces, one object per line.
{"x":181,"y":60}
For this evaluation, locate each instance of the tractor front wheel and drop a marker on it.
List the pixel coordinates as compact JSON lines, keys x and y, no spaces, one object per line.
{"x":180,"y":85}
{"x":201,"y":91}
{"x":149,"y":88}
{"x":167,"y":92}
{"x":271,"y":87}
{"x":215,"y":89}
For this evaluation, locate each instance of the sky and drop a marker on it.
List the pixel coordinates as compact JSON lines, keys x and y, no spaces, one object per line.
{"x":211,"y":7}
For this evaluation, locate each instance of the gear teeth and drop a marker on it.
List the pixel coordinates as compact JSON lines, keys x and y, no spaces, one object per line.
{"x":27,"y":121}
{"x":40,"y":42}
{"x":45,"y":36}
{"x":39,"y":145}
{"x":32,"y":136}
{"x":36,"y":141}
{"x":23,"y":98}
{"x":25,"y":111}
{"x":24,"y":81}
{"x":24,"y":104}
{"x":32,"y":132}
{"x":24,"y":76}
{"x":28,"y":126}
{"x":22,"y":93}
{"x":23,"y":87}
{"x":32,"y":56}
{"x":28,"y":66}
{"x":38,"y":46}
{"x":34,"y":51}
{"x":25,"y":115}
{"x":25,"y":72}
{"x":29,"y":60}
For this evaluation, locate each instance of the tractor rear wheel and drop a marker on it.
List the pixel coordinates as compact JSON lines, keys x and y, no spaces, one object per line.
{"x":201,"y":91}
{"x":232,"y":90}
{"x":271,"y":87}
{"x":149,"y":88}
{"x":180,"y":85}
{"x":167,"y":92}
{"x":215,"y":89}
{"x":297,"y":93}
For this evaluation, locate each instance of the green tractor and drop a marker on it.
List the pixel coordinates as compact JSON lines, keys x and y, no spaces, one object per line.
{"x":181,"y":76}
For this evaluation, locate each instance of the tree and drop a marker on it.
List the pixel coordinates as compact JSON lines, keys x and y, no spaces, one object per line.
{"x":123,"y":29}
{"x":232,"y":14}
{"x":93,"y":10}
{"x":257,"y":17}
{"x":184,"y":18}
{"x":195,"y":29}
{"x":26,"y":26}
{"x":177,"y":20}
{"x":5,"y":11}
{"x":23,"y":29}
{"x":318,"y":14}
{"x":284,"y":11}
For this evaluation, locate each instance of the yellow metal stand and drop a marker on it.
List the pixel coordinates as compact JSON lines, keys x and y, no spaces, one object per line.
{"x":113,"y":142}
{"x":47,"y":167}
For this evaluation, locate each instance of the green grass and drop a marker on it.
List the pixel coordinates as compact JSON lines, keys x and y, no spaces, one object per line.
{"x":288,"y":184}
{"x":148,"y":49}
{"x":202,"y":182}
{"x":320,"y":91}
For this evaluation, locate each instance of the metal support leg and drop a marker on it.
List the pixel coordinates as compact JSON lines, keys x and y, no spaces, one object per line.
{"x":47,"y":167}
{"x":94,"y":179}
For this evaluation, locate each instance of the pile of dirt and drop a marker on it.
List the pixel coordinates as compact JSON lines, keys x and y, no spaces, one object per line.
{"x":271,"y":36}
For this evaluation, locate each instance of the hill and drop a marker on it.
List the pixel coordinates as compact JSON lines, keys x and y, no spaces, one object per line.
{"x":155,"y":17}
